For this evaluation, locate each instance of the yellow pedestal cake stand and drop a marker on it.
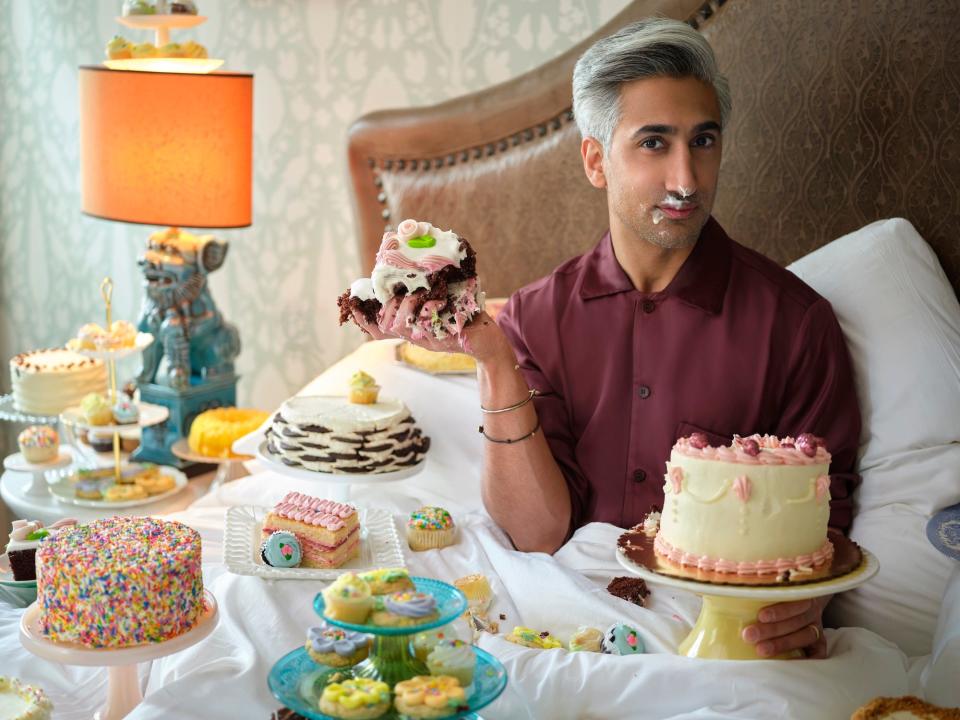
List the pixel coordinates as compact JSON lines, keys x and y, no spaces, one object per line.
{"x":731,"y":603}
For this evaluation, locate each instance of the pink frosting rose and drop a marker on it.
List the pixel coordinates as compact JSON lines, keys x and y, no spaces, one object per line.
{"x":408,"y":229}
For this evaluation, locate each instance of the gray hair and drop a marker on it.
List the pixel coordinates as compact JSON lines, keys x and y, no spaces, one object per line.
{"x":654,"y":47}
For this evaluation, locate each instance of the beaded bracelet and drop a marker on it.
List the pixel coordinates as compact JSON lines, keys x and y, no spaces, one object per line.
{"x":519,"y":405}
{"x":510,"y":441}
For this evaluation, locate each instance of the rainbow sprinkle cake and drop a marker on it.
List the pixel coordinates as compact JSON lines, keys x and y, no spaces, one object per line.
{"x":120,"y":582}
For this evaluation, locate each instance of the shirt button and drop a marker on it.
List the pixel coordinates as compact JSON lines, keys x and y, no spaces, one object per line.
{"x":643,"y":392}
{"x":649,"y":306}
{"x":639,"y":476}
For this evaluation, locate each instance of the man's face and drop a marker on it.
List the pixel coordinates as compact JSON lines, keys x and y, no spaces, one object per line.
{"x":662,"y":166}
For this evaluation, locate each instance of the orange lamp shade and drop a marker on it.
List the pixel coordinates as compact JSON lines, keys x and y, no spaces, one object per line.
{"x":167,"y":148}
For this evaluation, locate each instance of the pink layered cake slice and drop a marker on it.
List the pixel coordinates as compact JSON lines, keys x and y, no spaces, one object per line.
{"x":328,"y":531}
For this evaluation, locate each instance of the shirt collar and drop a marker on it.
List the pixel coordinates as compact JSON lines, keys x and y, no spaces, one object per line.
{"x":701,"y":280}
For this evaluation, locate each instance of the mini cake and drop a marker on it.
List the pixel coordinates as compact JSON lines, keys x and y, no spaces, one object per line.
{"x":213,"y":432}
{"x":429,"y":697}
{"x":429,"y":528}
{"x":119,"y":582}
{"x":533,"y":639}
{"x":404,"y":608}
{"x":330,"y":434}
{"x":25,"y":537}
{"x":348,"y":599}
{"x":335,"y":647}
{"x":423,"y":643}
{"x":759,"y":506}
{"x":477,"y":589}
{"x":329,"y":532}
{"x":125,"y":412}
{"x":454,"y":658}
{"x":620,"y":639}
{"x":281,"y":549}
{"x":96,"y":410}
{"x":39,"y":444}
{"x":387,"y":580}
{"x":586,"y":639}
{"x":23,"y":702}
{"x":436,"y":267}
{"x":363,"y":389}
{"x":631,"y":589}
{"x":47,"y":382}
{"x":357,"y":699}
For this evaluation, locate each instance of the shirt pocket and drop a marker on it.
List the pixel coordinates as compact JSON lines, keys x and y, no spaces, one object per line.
{"x":716,"y":439}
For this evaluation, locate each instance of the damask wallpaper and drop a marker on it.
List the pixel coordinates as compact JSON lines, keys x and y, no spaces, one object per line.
{"x":318,"y":65}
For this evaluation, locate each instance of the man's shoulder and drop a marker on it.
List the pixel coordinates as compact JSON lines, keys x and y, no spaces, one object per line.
{"x":565,"y":278}
{"x":766,"y":276}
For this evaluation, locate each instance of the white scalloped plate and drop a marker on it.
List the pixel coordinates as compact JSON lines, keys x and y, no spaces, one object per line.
{"x":379,"y":546}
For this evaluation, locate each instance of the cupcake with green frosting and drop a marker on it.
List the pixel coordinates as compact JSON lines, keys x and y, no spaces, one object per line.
{"x":363,"y":389}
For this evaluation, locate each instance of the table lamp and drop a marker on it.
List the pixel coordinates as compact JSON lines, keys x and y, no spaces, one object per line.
{"x":173,"y":149}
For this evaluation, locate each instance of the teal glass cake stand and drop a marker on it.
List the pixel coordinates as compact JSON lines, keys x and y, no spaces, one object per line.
{"x":297,"y":681}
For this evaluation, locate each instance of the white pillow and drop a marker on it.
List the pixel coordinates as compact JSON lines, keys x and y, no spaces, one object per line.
{"x":901,"y":319}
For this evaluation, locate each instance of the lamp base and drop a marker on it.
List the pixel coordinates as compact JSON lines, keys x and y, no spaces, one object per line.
{"x":184,"y":405}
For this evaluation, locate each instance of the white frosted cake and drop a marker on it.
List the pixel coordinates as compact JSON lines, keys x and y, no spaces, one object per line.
{"x":326,"y":433}
{"x":758,"y":506}
{"x":47,"y":382}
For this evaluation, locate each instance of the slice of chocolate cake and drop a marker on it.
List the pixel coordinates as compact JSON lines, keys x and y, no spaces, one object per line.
{"x":631,"y":589}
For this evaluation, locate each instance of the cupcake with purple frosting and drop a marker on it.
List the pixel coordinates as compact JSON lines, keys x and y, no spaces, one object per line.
{"x":401,"y":609}
{"x":335,"y":647}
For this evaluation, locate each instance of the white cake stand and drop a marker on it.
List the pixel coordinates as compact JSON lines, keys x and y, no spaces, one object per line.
{"x":728,"y":609}
{"x":228,"y":469}
{"x":123,"y":690}
{"x":38,"y":471}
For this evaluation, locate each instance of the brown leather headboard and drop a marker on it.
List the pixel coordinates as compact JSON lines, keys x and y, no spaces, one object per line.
{"x":843,"y":113}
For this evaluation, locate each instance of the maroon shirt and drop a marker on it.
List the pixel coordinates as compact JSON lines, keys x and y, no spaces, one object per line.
{"x":734,"y":344}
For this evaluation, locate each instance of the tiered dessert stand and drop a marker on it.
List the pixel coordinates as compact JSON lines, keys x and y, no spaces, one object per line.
{"x":161,"y":24}
{"x":296,"y":679}
{"x":731,"y":602}
{"x":123,"y":691}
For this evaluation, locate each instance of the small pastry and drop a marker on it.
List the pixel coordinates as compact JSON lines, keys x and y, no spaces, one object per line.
{"x":429,"y":528}
{"x":182,"y":7}
{"x":424,"y":642}
{"x":193,"y":49}
{"x":138,"y":7}
{"x":143,"y":50}
{"x":586,"y":639}
{"x":122,"y":493}
{"x":405,"y":608}
{"x":620,"y":639}
{"x":533,"y":639}
{"x":334,"y":647}
{"x":129,"y":443}
{"x":651,"y":523}
{"x":24,"y":702}
{"x":170,"y":50}
{"x":39,"y":443}
{"x":429,"y":697}
{"x":631,"y":589}
{"x":154,"y":483}
{"x":117,"y":49}
{"x":387,"y":580}
{"x":455,"y":658}
{"x":281,"y":549}
{"x":363,"y":389}
{"x":357,"y":699}
{"x":96,"y":409}
{"x":88,"y":489}
{"x":100,"y":441}
{"x":479,"y":623}
{"x":125,"y":413}
{"x":121,"y":334}
{"x":348,"y":599}
{"x":477,"y":589}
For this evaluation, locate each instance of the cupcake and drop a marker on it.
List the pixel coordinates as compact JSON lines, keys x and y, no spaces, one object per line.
{"x":143,"y":50}
{"x":477,"y":589}
{"x":348,"y":599}
{"x":117,"y":49}
{"x":454,"y":658}
{"x":423,"y":643}
{"x":182,"y":7}
{"x":281,"y":549}
{"x":620,"y":639}
{"x":430,"y":697}
{"x":387,"y":580}
{"x":138,"y":7}
{"x":39,"y":443}
{"x":533,"y":639}
{"x":358,"y":699}
{"x":363,"y":389}
{"x":100,"y":441}
{"x":586,"y":639}
{"x":96,"y":409}
{"x":125,"y":413}
{"x":405,"y":608}
{"x":430,"y":527}
{"x":334,"y":647}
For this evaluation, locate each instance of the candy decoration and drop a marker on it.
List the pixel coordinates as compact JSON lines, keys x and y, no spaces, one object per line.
{"x":699,"y":440}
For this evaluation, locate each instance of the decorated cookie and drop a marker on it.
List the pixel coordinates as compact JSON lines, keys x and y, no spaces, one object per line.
{"x":122,"y":493}
{"x":620,"y":639}
{"x":430,"y":697}
{"x":533,"y":638}
{"x":387,"y":580}
{"x":335,"y":647}
{"x":281,"y":549}
{"x":408,"y":607}
{"x":586,"y":639}
{"x":359,"y":699}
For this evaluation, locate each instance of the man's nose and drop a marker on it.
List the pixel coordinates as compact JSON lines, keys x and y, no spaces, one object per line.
{"x":682,"y":176}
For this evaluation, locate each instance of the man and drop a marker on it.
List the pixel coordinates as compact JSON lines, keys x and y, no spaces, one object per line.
{"x":666,"y":327}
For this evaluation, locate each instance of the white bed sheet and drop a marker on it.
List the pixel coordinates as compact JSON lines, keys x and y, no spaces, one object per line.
{"x":225,"y":676}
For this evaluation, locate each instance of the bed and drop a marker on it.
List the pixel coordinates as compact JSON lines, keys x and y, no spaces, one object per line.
{"x":839,"y":163}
